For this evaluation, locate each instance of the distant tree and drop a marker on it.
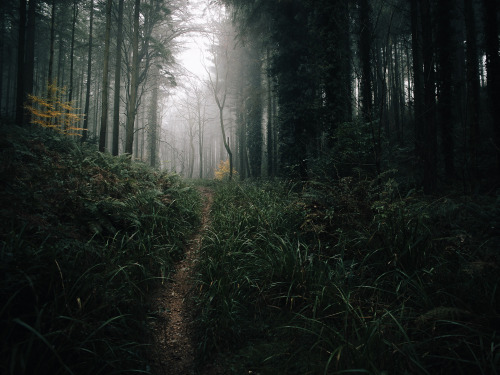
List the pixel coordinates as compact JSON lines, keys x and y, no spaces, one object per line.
{"x":89,"y":75}
{"x":72,"y":50}
{"x":105,"y":80}
{"x":118,"y":69}
{"x":153,"y":117}
{"x":220,"y":52}
{"x":134,"y":84}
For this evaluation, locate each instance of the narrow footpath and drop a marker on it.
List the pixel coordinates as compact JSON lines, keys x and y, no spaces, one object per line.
{"x":173,"y":349}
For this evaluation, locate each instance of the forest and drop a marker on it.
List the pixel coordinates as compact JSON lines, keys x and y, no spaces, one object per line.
{"x":250,"y":187}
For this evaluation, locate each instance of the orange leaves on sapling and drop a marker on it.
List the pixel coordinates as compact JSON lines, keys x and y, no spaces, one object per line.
{"x":53,"y":112}
{"x":222,"y":171}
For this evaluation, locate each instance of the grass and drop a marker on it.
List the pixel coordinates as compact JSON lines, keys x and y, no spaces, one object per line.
{"x":348,"y":277}
{"x":84,"y":238}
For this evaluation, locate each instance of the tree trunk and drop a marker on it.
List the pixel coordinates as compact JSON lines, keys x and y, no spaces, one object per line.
{"x":105,"y":80}
{"x":72,"y":53}
{"x":29,"y":61}
{"x":50,"y":79}
{"x":418,"y":78}
{"x":200,"y":134}
{"x":493,"y":70}
{"x":118,"y":68}
{"x":446,"y":58}
{"x":472,"y":110}
{"x":429,"y":120}
{"x":21,"y":43}
{"x":89,"y":73}
{"x":153,"y":118}
{"x":2,"y":60}
{"x":270,"y":138}
{"x":131,"y":112}
{"x":254,"y":109}
{"x":364,"y":52}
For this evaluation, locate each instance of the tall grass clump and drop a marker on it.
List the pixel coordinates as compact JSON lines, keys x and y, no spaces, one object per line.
{"x":84,"y":237}
{"x":348,"y":276}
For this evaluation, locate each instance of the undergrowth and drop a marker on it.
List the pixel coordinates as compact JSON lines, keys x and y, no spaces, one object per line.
{"x":348,"y":276}
{"x":84,"y":236}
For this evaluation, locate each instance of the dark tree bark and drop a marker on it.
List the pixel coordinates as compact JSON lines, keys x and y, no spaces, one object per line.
{"x":21,"y":45}
{"x":118,"y":68}
{"x":134,"y":84}
{"x":446,"y":57}
{"x":418,"y":78}
{"x":72,"y":52}
{"x":254,"y":110}
{"x":429,"y":118}
{"x":2,"y":60}
{"x":270,"y":124}
{"x":89,"y":74}
{"x":242,"y":138}
{"x":29,"y":60}
{"x":472,"y":109}
{"x":50,"y":78}
{"x":364,"y":53}
{"x":153,"y":117}
{"x":493,"y":70}
{"x":105,"y":80}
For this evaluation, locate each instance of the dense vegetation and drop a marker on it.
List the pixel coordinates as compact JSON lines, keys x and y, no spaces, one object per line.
{"x":360,"y":233}
{"x":84,"y":239}
{"x":348,"y":276}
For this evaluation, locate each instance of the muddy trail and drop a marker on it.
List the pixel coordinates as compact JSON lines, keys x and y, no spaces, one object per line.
{"x":173,"y":350}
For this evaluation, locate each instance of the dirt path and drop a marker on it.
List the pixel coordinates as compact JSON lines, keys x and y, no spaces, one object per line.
{"x":173,"y":348}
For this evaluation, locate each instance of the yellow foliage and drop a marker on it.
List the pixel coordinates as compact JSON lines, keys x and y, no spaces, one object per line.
{"x":52,"y":112}
{"x":222,"y":171}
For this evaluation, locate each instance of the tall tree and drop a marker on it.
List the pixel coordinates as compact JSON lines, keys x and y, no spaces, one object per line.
{"x":72,"y":50}
{"x":105,"y":80}
{"x":21,"y":43}
{"x":134,"y":84}
{"x":296,"y":92}
{"x":473,"y":87}
{"x":118,"y":69}
{"x":418,"y":78}
{"x":222,"y":45}
{"x":270,"y":122}
{"x":89,"y":75}
{"x":153,"y":117}
{"x":253,"y":105}
{"x":429,"y":119}
{"x":446,"y":57}
{"x":29,"y":63}
{"x":365,"y":39}
{"x":50,"y":78}
{"x":493,"y":70}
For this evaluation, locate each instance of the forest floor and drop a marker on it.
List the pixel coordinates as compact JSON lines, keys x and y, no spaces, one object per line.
{"x":174,"y":351}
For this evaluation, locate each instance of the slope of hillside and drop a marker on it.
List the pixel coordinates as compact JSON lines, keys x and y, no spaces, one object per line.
{"x":84,"y":236}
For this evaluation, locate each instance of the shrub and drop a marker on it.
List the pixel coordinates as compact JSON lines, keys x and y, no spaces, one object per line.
{"x":222,"y":171}
{"x":54,"y":113}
